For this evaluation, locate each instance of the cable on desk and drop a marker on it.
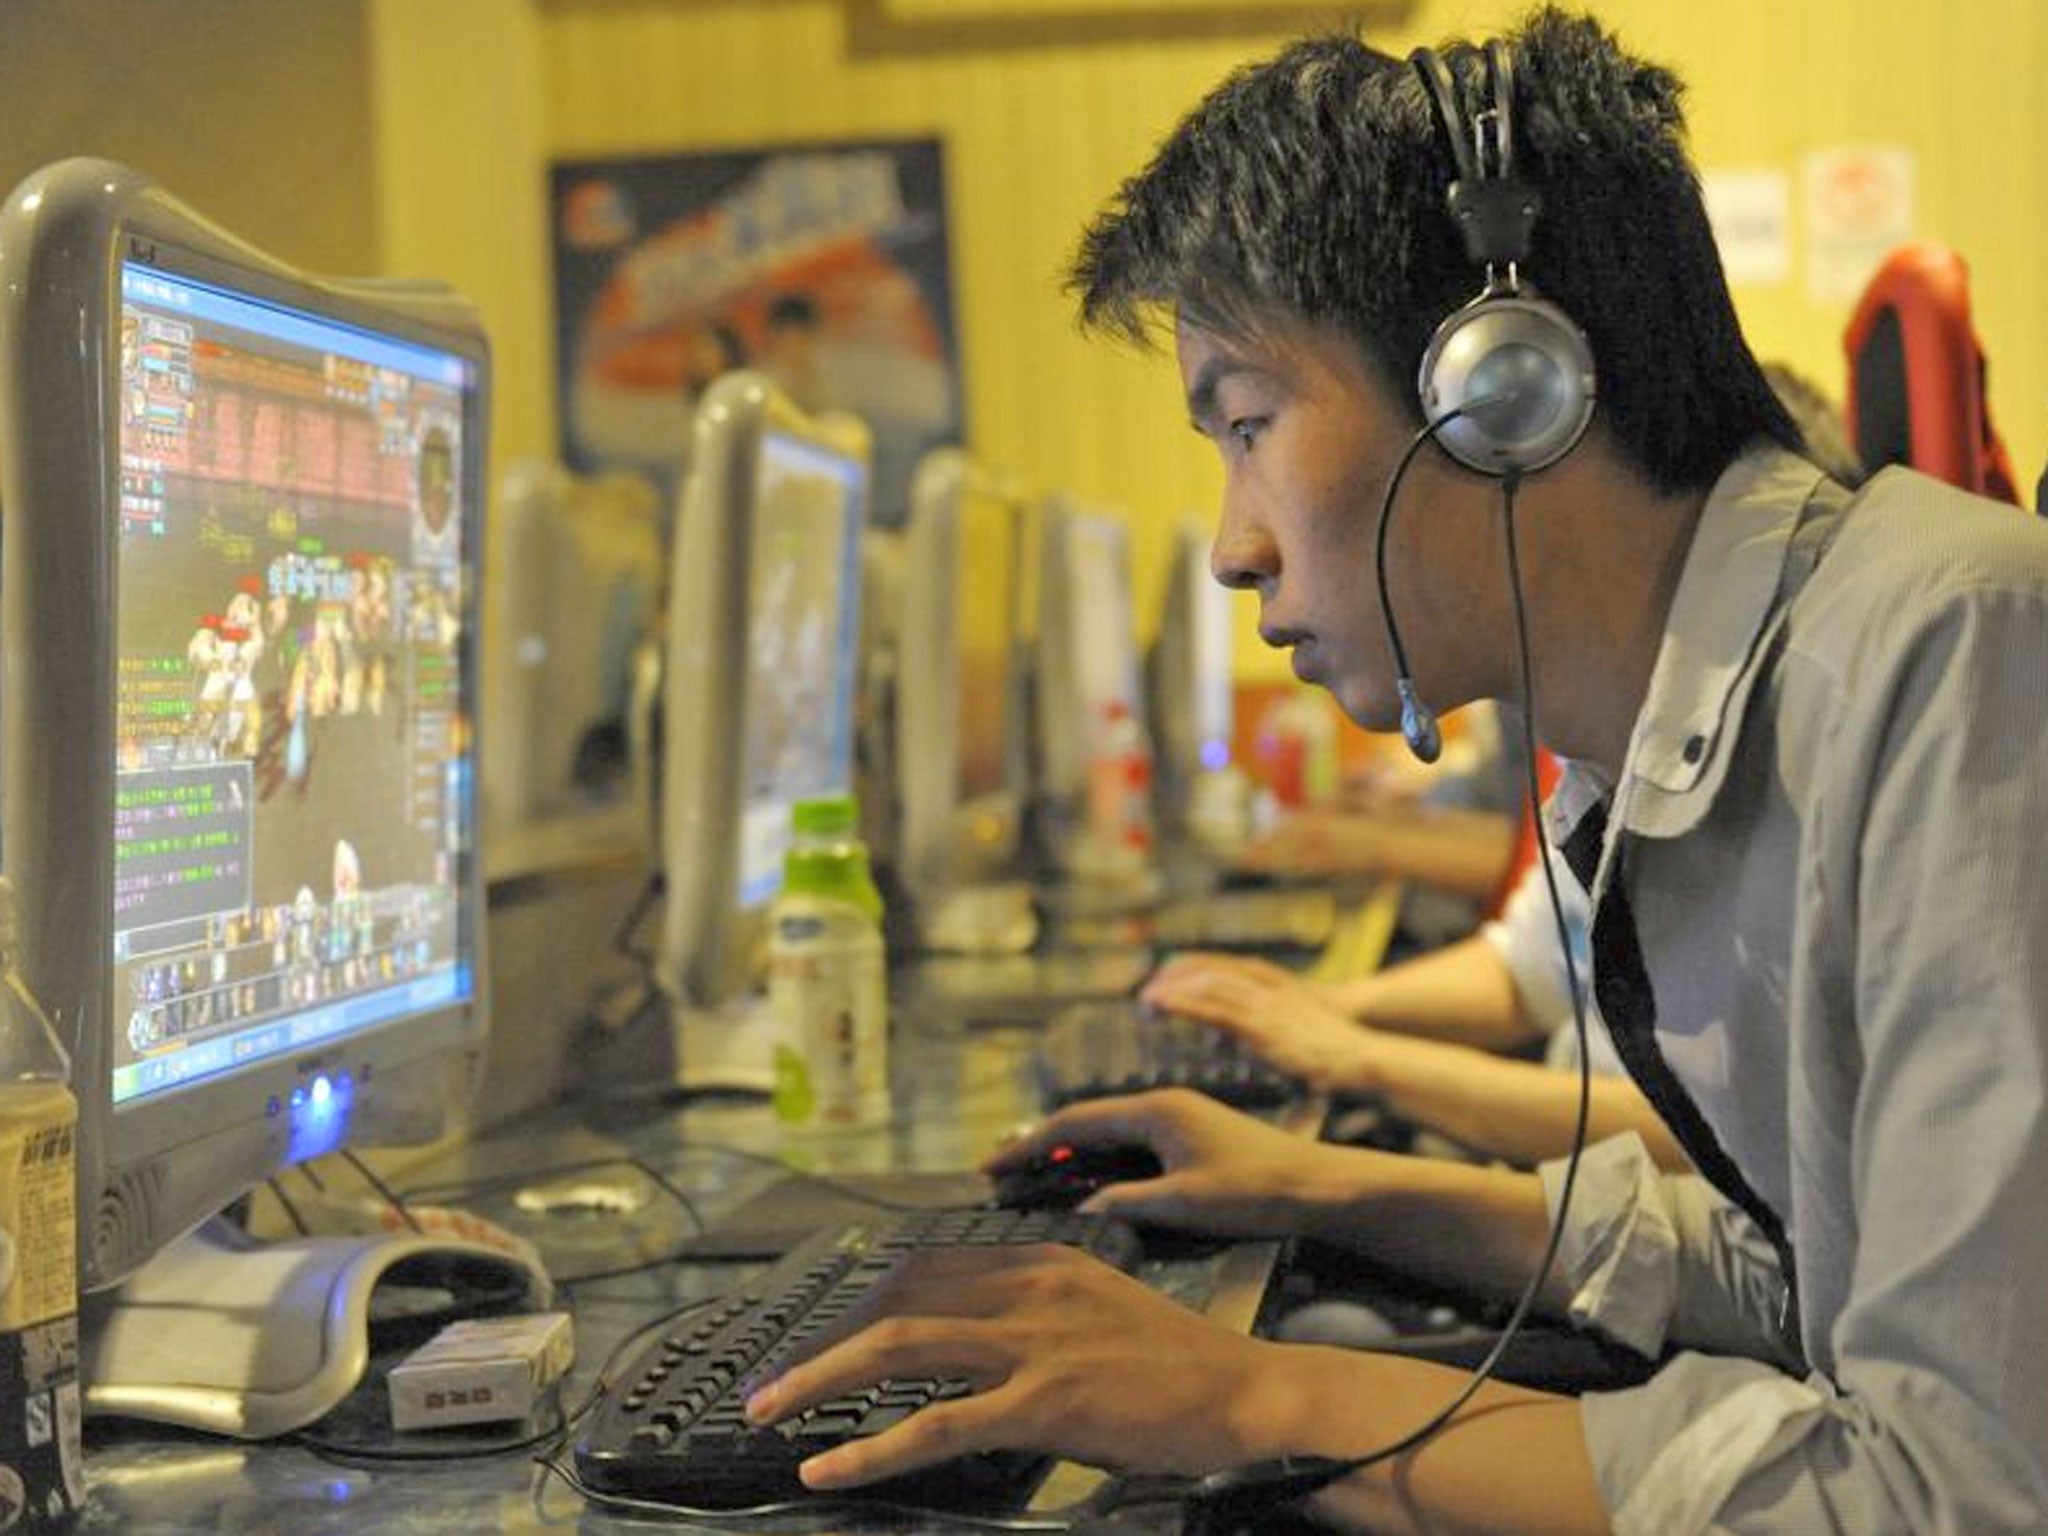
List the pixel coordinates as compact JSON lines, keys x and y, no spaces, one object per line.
{"x":291,"y":1211}
{"x":384,"y":1191}
{"x":623,"y":940}
{"x":554,"y":1435}
{"x":591,"y":1277}
{"x":823,"y":1181}
{"x":491,"y":1185}
{"x":814,"y":1505}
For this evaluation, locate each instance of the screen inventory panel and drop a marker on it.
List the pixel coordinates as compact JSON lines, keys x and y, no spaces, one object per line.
{"x":293,"y":762}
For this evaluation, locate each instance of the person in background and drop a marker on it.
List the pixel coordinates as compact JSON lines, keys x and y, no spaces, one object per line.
{"x":1802,"y":733}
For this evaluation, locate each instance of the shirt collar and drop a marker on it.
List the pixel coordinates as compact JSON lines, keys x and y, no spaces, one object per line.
{"x":1721,"y":617}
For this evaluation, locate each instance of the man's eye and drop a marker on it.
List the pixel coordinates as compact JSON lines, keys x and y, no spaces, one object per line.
{"x":1246,"y":429}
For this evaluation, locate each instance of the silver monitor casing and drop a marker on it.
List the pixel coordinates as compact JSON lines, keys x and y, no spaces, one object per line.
{"x":710,"y":944}
{"x":154,"y":1170}
{"x":947,"y":839}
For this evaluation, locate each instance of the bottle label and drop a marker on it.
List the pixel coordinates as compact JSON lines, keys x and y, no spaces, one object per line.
{"x":829,"y":992}
{"x":41,"y":1481}
{"x":38,"y":1233}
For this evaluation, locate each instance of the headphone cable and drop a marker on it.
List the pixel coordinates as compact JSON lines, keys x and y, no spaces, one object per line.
{"x":1222,"y":1500}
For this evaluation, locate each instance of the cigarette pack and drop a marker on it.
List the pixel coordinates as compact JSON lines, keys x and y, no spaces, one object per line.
{"x":482,"y":1370}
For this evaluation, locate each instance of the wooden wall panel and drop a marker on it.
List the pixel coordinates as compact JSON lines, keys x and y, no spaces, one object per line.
{"x":1040,"y":133}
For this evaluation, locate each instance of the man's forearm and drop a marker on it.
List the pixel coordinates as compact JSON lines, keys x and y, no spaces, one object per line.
{"x":1478,"y":1229}
{"x":1522,"y":1112}
{"x":1462,"y":993}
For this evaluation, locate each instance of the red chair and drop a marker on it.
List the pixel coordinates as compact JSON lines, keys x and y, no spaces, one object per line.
{"x":1916,"y":375}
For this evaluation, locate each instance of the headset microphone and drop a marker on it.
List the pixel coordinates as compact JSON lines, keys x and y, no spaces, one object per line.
{"x":1418,"y":722}
{"x":1419,"y":726}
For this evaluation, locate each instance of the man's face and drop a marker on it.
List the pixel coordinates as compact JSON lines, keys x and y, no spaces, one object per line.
{"x":1308,"y":437}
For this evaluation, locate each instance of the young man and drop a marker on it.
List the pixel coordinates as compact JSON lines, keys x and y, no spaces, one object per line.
{"x":1806,"y":782}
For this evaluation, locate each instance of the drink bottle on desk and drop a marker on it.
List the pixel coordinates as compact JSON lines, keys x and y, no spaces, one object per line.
{"x":828,"y":975}
{"x":1117,"y":838}
{"x":41,"y":1479}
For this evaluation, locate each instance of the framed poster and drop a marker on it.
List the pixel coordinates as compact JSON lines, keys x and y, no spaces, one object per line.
{"x":825,"y":266}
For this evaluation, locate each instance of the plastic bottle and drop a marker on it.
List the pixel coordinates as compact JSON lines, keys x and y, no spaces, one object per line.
{"x":828,"y":975}
{"x":41,"y":1477}
{"x":1119,"y":791}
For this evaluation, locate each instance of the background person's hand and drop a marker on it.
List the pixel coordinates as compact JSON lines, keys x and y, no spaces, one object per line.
{"x":1279,"y":1016}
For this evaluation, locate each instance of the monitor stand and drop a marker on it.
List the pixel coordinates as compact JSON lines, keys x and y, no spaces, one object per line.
{"x":729,"y":1048}
{"x":231,"y":1335}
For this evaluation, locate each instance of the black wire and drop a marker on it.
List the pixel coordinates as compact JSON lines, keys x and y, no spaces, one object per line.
{"x":484,"y":1186}
{"x":1428,"y":430}
{"x":810,"y":1504}
{"x":384,"y":1191}
{"x":291,"y":1211}
{"x":1240,"y":1490}
{"x":622,"y":940}
{"x":398,"y":1455}
{"x":823,"y":1181}
{"x":557,"y":1431}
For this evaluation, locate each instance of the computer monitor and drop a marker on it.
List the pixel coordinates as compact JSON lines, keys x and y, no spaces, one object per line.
{"x":1193,"y":693}
{"x":959,"y":746}
{"x":1093,"y":754}
{"x":583,"y":564}
{"x":758,"y":696}
{"x":239,"y":745}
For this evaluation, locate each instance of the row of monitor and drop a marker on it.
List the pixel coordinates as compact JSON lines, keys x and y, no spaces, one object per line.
{"x":239,"y":733}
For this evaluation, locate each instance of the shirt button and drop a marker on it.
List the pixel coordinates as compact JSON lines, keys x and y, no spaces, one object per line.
{"x":1695,"y":748}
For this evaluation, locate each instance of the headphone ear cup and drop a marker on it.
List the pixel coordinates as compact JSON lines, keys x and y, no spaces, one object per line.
{"x":1521,"y":375}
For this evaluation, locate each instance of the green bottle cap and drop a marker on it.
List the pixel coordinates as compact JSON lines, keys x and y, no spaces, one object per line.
{"x":826,"y":816}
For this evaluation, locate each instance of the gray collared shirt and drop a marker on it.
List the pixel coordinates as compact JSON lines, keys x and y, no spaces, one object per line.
{"x":1834,"y":808}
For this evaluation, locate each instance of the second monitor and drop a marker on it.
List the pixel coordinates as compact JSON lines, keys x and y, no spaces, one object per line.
{"x":758,"y":698}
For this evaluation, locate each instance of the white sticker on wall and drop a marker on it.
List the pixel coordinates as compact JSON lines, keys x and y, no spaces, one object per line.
{"x":1858,"y":209}
{"x":1751,"y":211}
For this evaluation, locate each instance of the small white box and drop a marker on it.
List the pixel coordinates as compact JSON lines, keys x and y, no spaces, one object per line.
{"x":481,"y":1371}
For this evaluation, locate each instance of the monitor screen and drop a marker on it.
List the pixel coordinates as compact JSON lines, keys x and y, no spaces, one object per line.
{"x":291,"y":752}
{"x":244,"y":516}
{"x":759,"y":672}
{"x":803,"y":583}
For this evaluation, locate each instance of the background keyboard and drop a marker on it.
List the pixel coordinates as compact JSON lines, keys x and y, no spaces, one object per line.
{"x":673,"y":1428}
{"x":1097,"y":1049}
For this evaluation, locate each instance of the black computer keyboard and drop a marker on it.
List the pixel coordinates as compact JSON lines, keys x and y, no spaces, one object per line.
{"x":673,"y":1430}
{"x":1096,"y":1049}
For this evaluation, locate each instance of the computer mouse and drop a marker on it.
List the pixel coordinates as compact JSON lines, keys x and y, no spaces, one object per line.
{"x":1066,"y":1173}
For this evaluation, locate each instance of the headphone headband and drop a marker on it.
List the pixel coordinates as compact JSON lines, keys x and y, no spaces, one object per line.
{"x":1509,"y":370}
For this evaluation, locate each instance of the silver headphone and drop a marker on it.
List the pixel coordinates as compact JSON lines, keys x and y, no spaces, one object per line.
{"x":1512,"y":366}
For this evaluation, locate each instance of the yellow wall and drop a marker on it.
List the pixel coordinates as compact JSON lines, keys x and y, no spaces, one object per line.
{"x":253,"y":111}
{"x":1039,"y":134}
{"x":413,"y":137}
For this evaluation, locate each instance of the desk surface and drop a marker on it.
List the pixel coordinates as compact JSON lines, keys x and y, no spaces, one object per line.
{"x":957,"y":1091}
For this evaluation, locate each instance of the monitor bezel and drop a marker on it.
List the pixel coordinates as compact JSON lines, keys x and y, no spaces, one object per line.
{"x":709,"y":941}
{"x":1178,"y":671}
{"x":1063,"y":733}
{"x":149,"y":1170}
{"x":938,"y":852}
